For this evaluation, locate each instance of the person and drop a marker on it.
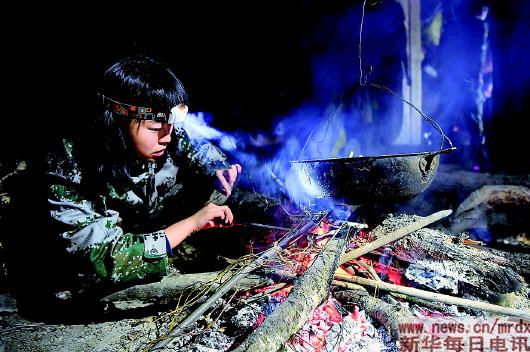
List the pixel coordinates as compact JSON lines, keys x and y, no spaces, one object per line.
{"x":132,"y":186}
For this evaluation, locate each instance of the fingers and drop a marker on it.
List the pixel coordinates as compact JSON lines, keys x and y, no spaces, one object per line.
{"x":229,"y":217}
{"x":227,"y":188}
{"x":228,"y":177}
{"x":224,"y":213}
{"x":218,"y":216}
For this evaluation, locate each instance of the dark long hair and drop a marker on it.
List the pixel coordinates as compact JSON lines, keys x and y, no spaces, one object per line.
{"x":107,"y":149}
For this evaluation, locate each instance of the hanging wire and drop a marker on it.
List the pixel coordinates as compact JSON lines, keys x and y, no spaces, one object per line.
{"x":431,"y":121}
{"x":363,"y":80}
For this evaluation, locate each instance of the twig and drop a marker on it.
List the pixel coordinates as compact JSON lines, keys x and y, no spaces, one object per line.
{"x":270,"y":227}
{"x":236,"y":278}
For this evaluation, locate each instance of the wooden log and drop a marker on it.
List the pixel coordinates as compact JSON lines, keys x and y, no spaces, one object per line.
{"x":395,"y":235}
{"x":388,"y":315}
{"x":240,"y":274}
{"x":307,"y":294}
{"x":343,"y":280}
{"x":450,"y":187}
{"x":500,"y":209}
{"x":479,"y":272}
{"x":170,"y":287}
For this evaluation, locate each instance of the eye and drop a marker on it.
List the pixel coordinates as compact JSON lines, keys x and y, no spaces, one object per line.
{"x":156,"y":129}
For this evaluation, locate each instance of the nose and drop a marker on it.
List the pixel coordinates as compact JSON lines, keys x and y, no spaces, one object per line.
{"x":165,"y":134}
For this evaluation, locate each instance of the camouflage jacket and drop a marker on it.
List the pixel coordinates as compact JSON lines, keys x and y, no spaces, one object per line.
{"x":117,"y":235}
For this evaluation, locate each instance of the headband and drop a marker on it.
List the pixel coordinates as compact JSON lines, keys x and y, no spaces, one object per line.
{"x":175,"y":115}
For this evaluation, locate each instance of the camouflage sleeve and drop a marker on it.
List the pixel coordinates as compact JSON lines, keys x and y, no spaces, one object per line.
{"x":96,"y":237}
{"x":200,"y":153}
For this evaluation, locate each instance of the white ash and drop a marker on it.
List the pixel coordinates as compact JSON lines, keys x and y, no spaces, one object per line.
{"x":180,"y":343}
{"x":246,"y":316}
{"x":436,"y":274}
{"x":211,"y":341}
{"x":393,"y":223}
{"x":348,"y":332}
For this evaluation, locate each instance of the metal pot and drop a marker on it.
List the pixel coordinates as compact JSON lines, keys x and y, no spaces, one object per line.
{"x":371,"y":179}
{"x":367,"y":179}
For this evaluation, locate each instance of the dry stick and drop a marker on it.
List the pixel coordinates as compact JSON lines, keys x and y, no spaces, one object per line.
{"x":395,"y":235}
{"x":376,"y":277}
{"x":307,"y":294}
{"x":238,"y":276}
{"x":467,"y":303}
{"x":171,"y":285}
{"x":415,"y":300}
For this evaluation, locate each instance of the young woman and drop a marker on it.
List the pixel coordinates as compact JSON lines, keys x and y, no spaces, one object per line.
{"x":135,"y":185}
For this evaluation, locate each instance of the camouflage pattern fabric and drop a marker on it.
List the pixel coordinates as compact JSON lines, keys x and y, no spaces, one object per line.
{"x":108,"y":231}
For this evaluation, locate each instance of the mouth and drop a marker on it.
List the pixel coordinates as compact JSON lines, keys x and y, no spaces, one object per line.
{"x":159,"y":153}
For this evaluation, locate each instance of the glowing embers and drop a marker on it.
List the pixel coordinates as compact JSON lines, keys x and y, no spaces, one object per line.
{"x":329,"y":328}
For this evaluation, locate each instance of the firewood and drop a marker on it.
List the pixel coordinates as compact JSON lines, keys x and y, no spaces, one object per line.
{"x":447,"y":181}
{"x":389,"y":315}
{"x":479,"y":272}
{"x":169,"y":288}
{"x":342,"y":280}
{"x":501,"y":209}
{"x":395,"y":235}
{"x":308,"y":292}
{"x":240,"y":274}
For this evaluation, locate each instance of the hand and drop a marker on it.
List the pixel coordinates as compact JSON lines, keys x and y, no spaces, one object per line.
{"x":212,"y":215}
{"x":228,"y":177}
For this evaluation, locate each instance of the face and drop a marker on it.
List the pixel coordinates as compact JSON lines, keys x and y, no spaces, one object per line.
{"x":150,"y":138}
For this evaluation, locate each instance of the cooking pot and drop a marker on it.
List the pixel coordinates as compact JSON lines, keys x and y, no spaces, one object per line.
{"x":368,"y":179}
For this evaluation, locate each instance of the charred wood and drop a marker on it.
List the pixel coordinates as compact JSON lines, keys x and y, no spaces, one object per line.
{"x":308,"y":292}
{"x":406,"y":229}
{"x":479,"y":271}
{"x":389,"y":315}
{"x":344,"y":281}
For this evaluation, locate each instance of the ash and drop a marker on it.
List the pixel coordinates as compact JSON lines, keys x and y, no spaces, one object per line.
{"x":349,"y":337}
{"x":435,"y":274}
{"x":211,"y":341}
{"x":393,"y":223}
{"x":246,"y":317}
{"x":201,"y":340}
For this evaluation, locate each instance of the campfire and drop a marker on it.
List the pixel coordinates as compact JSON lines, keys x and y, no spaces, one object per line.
{"x":328,"y":284}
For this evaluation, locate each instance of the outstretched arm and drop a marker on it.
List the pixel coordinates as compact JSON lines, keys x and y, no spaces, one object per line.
{"x":209,"y":216}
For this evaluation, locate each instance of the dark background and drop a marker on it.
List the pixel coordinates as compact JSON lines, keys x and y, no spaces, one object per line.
{"x":246,"y":63}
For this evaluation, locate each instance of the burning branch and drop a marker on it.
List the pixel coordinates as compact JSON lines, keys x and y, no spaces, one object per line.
{"x":237,"y":277}
{"x":309,"y":292}
{"x":389,"y":315}
{"x":395,"y":235}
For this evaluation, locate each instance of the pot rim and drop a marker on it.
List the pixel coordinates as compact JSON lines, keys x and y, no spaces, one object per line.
{"x":384,"y":156}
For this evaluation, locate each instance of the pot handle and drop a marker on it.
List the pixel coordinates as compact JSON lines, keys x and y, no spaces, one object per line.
{"x":429,"y":120}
